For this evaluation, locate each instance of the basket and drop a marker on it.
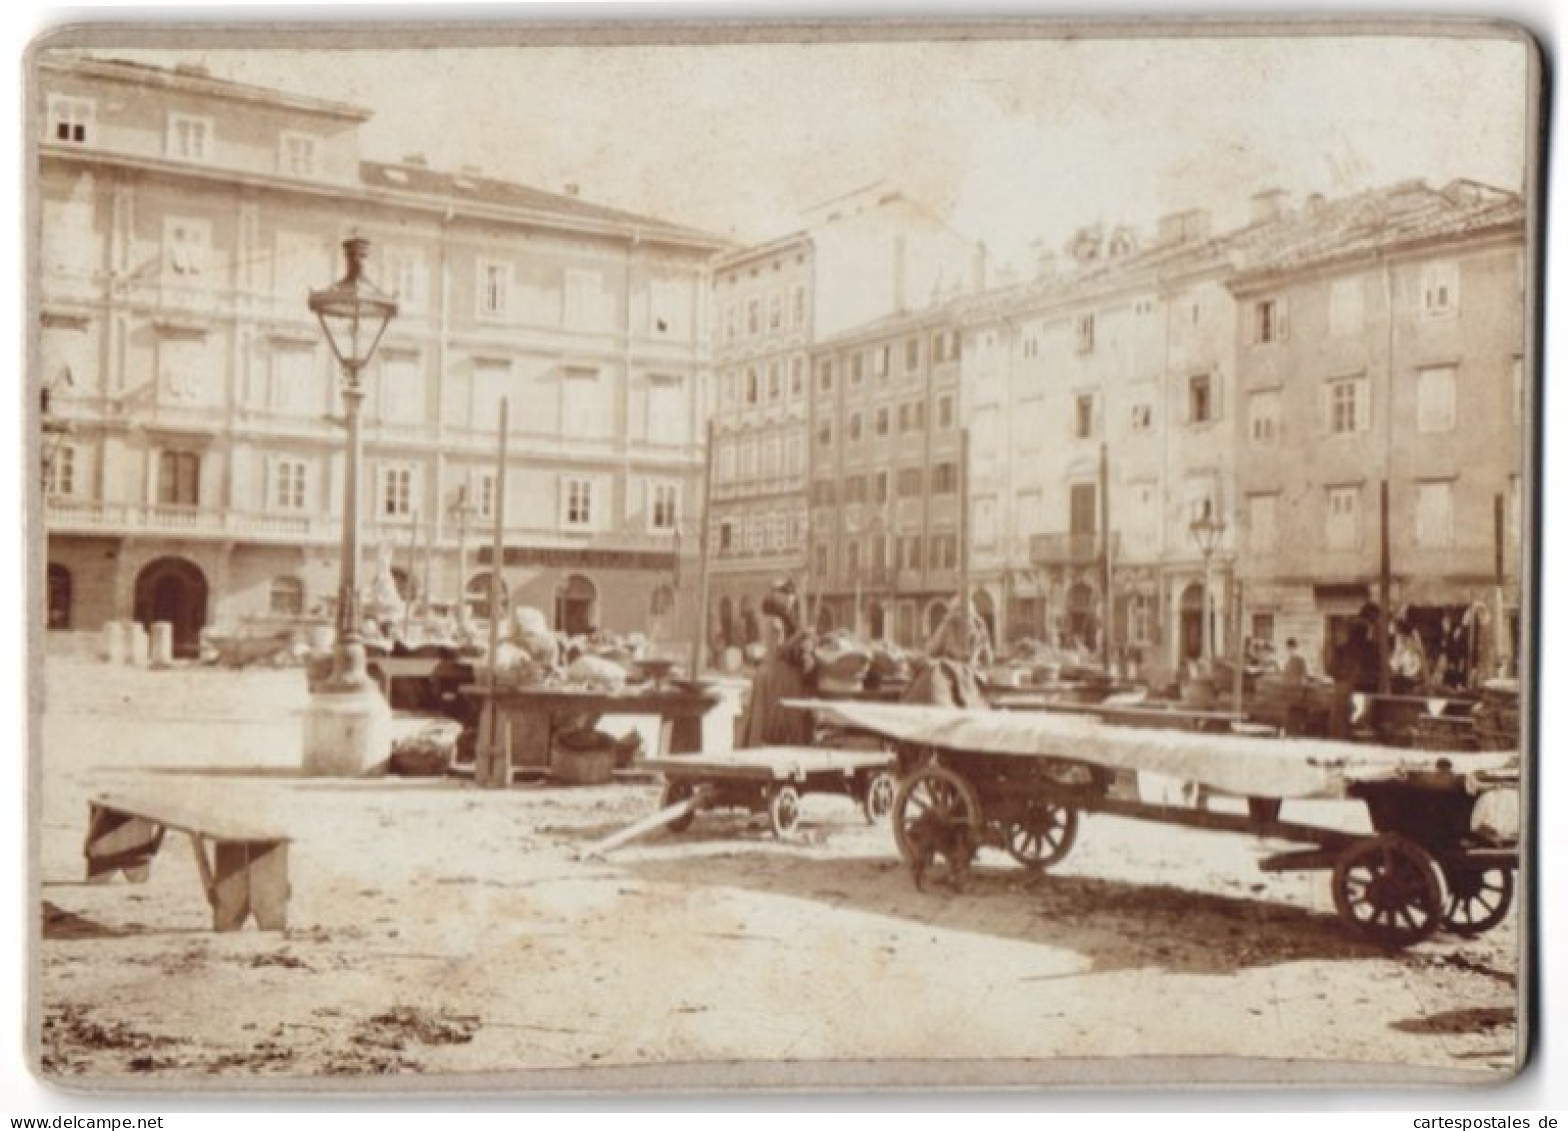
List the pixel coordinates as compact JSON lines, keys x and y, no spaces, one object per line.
{"x":582,"y":767}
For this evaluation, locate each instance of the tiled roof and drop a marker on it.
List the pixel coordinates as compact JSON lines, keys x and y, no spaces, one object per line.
{"x":510,"y":194}
{"x":1319,"y":231}
{"x":1401,"y":215}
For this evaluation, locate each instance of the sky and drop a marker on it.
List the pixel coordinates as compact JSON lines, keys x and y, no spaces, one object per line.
{"x":1017,"y":143}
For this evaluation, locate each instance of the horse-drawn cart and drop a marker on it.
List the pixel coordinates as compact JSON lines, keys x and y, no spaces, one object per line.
{"x":1018,"y":781}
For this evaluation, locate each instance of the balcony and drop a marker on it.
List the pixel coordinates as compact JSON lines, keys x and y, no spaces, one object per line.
{"x":75,"y":516}
{"x":1069,"y":549}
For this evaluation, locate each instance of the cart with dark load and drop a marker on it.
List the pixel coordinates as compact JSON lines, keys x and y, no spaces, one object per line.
{"x":1019,"y":781}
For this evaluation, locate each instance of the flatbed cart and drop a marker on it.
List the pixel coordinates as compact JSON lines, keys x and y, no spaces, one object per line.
{"x":1019,"y":782}
{"x":773,"y":779}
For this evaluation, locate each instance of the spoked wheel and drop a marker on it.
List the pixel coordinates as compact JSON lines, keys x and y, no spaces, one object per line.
{"x":674,"y":793}
{"x":1043,"y":836}
{"x":784,"y":810}
{"x":878,"y":801}
{"x":1390,"y":889}
{"x":1478,"y":898}
{"x":936,"y":814}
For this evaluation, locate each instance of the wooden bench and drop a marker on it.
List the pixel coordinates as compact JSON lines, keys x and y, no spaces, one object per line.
{"x":246,"y":874}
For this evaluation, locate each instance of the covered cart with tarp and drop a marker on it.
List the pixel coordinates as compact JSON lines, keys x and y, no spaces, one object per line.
{"x":1018,"y":781}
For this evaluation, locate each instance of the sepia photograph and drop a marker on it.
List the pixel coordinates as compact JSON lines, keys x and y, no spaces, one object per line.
{"x":732,"y":555}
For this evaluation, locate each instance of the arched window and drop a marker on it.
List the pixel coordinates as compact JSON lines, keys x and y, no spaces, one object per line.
{"x":662,"y":603}
{"x":577,"y":606}
{"x":287,"y":597}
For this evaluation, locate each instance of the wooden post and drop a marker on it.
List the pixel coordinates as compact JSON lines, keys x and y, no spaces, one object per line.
{"x":1238,"y":686}
{"x":1105,"y":557}
{"x":413,"y":550}
{"x":701,"y":641}
{"x":497,"y":775}
{"x":1502,"y":646}
{"x":963,"y":527}
{"x":1385,"y":591}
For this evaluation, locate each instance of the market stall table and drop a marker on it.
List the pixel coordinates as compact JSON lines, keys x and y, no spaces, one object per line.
{"x":518,"y":725}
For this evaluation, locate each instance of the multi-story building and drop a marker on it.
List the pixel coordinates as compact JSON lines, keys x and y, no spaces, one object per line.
{"x":862,"y":256}
{"x":184,"y":220}
{"x":1381,"y":341}
{"x":763,"y":308}
{"x":886,"y":486}
{"x":1099,"y":402}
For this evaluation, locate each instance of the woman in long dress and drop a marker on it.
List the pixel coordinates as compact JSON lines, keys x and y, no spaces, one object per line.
{"x":780,"y":676}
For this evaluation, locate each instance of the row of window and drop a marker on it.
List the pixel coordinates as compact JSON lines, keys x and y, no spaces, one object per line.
{"x":765,"y":384}
{"x":946,"y":345}
{"x":911,"y":418}
{"x":751,"y":459}
{"x":758,"y":317}
{"x":775,"y":531}
{"x":879,"y":553}
{"x":1436,"y":296}
{"x":1343,"y":516}
{"x":187,"y":137}
{"x":288,"y":490}
{"x":910,"y":483}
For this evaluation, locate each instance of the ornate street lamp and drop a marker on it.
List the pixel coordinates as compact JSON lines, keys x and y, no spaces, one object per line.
{"x":1207,"y":531}
{"x":354,"y":313}
{"x":347,"y":726}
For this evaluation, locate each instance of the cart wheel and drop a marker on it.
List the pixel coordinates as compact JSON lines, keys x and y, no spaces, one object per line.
{"x":1390,"y":889}
{"x":784,"y":810}
{"x":1478,"y":898}
{"x":878,"y":801}
{"x":936,"y":813}
{"x":1044,"y":836}
{"x":674,"y":793}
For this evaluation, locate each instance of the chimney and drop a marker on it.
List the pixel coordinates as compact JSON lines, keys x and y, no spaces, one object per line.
{"x":981,"y":267}
{"x":417,"y":160}
{"x":899,"y":254}
{"x":1189,"y":226}
{"x":1316,"y":202}
{"x":571,"y":188}
{"x":1268,"y":205}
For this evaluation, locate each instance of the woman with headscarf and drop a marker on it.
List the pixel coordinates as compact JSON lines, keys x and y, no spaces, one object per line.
{"x":781,"y":675}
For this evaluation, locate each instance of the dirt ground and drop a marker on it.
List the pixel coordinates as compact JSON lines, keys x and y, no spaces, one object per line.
{"x":436,"y":928}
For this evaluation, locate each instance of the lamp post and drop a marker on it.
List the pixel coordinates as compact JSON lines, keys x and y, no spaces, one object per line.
{"x":346,"y":728}
{"x":461,"y":511}
{"x":1207,"y":531}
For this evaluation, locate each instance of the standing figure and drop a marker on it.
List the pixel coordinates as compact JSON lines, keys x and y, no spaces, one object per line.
{"x":781,"y":675}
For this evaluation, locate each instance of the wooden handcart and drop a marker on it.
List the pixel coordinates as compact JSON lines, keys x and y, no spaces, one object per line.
{"x":773,"y":779}
{"x":1019,"y":782}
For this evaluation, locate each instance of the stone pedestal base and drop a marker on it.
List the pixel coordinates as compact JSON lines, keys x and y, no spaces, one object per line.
{"x":348,"y":734}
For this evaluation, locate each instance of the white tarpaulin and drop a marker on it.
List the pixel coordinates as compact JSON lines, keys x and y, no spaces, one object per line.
{"x":1258,"y":766}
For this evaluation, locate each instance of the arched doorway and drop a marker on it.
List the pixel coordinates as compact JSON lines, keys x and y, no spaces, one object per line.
{"x":876,"y":621}
{"x":729,"y":635}
{"x":576,"y":606}
{"x":1192,"y":621}
{"x":906,"y":625}
{"x":1080,"y":616}
{"x":57,"y":610}
{"x":824,"y":618}
{"x":173,"y":590}
{"x":476,"y":596}
{"x":985,"y":606}
{"x":405,"y":586}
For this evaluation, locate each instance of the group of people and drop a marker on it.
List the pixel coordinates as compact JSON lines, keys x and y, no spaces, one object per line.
{"x":791,"y":663}
{"x":1447,"y":653}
